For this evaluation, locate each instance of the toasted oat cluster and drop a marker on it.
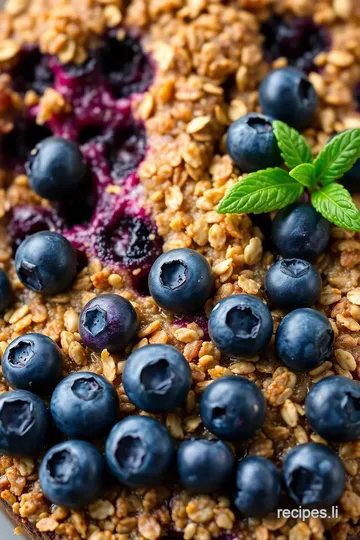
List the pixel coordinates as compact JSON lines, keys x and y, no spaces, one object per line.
{"x":148,"y":88}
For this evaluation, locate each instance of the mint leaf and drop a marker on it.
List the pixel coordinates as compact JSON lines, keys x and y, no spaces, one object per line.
{"x":334,"y":202}
{"x":293,"y":146}
{"x":261,"y":191}
{"x":305,"y":174}
{"x":338,"y":156}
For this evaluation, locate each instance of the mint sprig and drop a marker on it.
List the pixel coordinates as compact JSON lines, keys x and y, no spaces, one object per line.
{"x":272,"y":189}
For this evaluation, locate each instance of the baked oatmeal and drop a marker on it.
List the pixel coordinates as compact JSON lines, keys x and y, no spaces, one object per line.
{"x":141,"y":96}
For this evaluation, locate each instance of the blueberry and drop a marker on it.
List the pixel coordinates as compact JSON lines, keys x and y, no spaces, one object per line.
{"x":108,"y":322}
{"x":298,"y":230}
{"x":46,"y":263}
{"x":56,"y":168}
{"x":23,"y":424}
{"x":6,"y":293}
{"x":232,"y":408}
{"x":181,"y":281}
{"x":258,"y":486}
{"x":288,"y":95}
{"x":139,"y":450}
{"x":156,"y":378}
{"x":304,"y":339}
{"x":196,"y":457}
{"x":292,"y":284}
{"x":240,"y":325}
{"x":84,"y":405}
{"x":333,"y":409}
{"x":72,"y":474}
{"x":314,"y":475}
{"x":251,"y":143}
{"x":32,"y":362}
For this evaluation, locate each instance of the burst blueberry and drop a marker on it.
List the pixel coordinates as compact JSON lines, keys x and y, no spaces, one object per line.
{"x":6,"y":293}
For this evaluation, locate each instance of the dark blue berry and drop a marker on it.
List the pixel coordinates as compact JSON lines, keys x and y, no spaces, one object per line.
{"x":46,"y":263}
{"x":56,"y":168}
{"x":300,"y":231}
{"x":240,"y":325}
{"x":31,"y":71}
{"x":23,"y":423}
{"x":84,"y":405}
{"x":292,"y":284}
{"x":156,"y":378}
{"x":108,"y":322}
{"x":197,"y":457}
{"x":32,"y":362}
{"x":333,"y":409}
{"x":304,"y":339}
{"x":251,"y":143}
{"x":181,"y":281}
{"x":72,"y":474}
{"x":139,"y":450}
{"x":258,"y":486}
{"x":232,"y":408}
{"x":6,"y":293}
{"x":288,"y":95}
{"x":314,"y":475}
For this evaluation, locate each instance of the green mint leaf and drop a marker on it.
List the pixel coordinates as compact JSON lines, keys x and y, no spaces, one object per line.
{"x":293,"y":146}
{"x":305,"y":174}
{"x":334,"y":202}
{"x":338,"y":156}
{"x":261,"y":191}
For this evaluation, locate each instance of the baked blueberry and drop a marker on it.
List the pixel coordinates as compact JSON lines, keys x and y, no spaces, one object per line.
{"x":298,"y":230}
{"x":108,"y":322}
{"x":6,"y":293}
{"x":314,"y":475}
{"x":240,"y":325}
{"x":56,"y":168}
{"x":46,"y":263}
{"x":232,"y":408}
{"x":251,"y":143}
{"x":332,"y":408}
{"x":304,"y":339}
{"x":292,"y":284}
{"x":32,"y":362}
{"x":196,"y":457}
{"x":258,"y":486}
{"x":288,"y":95}
{"x":156,"y":378}
{"x":84,"y":405}
{"x":139,"y":450}
{"x":23,"y":423}
{"x":181,"y":281}
{"x":72,"y":473}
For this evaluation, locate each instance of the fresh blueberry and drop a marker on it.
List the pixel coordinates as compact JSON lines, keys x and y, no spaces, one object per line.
{"x":196,"y":457}
{"x":288,"y":95}
{"x":72,"y":474}
{"x":108,"y":322}
{"x":23,"y":423}
{"x":304,"y":339}
{"x":298,"y":230}
{"x":139,"y":450}
{"x":6,"y":293}
{"x":232,"y":408}
{"x":240,"y":325}
{"x":181,"y":281}
{"x":258,"y":486}
{"x":351,"y":179}
{"x":56,"y":168}
{"x":46,"y":263}
{"x":292,"y":284}
{"x":84,"y":405}
{"x":156,"y":378}
{"x":251,"y":143}
{"x":314,"y":475}
{"x":333,"y":408}
{"x":32,"y":362}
